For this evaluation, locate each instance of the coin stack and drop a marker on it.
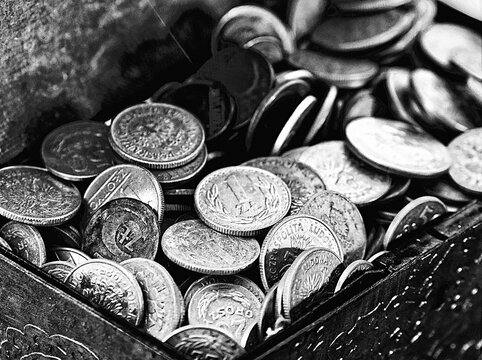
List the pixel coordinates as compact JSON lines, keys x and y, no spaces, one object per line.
{"x":287,"y":166}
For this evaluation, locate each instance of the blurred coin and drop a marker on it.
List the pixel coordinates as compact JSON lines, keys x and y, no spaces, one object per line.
{"x":352,"y":270}
{"x":267,"y":318}
{"x":178,"y":208}
{"x":4,"y":244}
{"x":321,"y":119}
{"x":78,"y":151}
{"x":397,"y":147}
{"x":466,"y":152}
{"x":196,"y":247}
{"x":363,"y":103}
{"x":399,"y":92}
{"x":62,"y":235}
{"x":109,"y":286}
{"x":73,"y":256}
{"x":287,"y":239}
{"x":443,"y":189}
{"x":158,"y":136}
{"x":398,"y":188}
{"x":344,"y":218}
{"x":369,"y":5}
{"x":269,"y":46}
{"x":300,"y":74}
{"x":303,"y":182}
{"x":163,"y":91}
{"x":204,"y":342}
{"x":121,"y":229}
{"x":469,"y":8}
{"x":469,"y":62}
{"x":58,"y":269}
{"x":344,"y":174}
{"x":164,"y":305}
{"x":24,"y":241}
{"x":295,"y":153}
{"x":230,"y":307}
{"x":241,"y":200}
{"x":303,"y":16}
{"x":375,"y":257}
{"x":375,"y":240}
{"x":31,"y":195}
{"x":474,"y":89}
{"x":413,"y":216}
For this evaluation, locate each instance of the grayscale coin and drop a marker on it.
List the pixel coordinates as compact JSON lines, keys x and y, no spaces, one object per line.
{"x":73,"y":256}
{"x":110,"y":286}
{"x":377,"y":256}
{"x":194,"y":246}
{"x":270,"y":46}
{"x":469,"y":62}
{"x":398,"y":87}
{"x":321,"y":119}
{"x":25,"y":241}
{"x":4,"y":244}
{"x":33,"y":196}
{"x":267,"y":318}
{"x":351,"y":270}
{"x":251,"y":337}
{"x":158,"y":136}
{"x":295,"y":153}
{"x":164,"y":305}
{"x":444,"y":189}
{"x":78,"y":151}
{"x":58,"y":269}
{"x":303,"y":16}
{"x":62,"y":235}
{"x":122,"y":229}
{"x":241,"y":200}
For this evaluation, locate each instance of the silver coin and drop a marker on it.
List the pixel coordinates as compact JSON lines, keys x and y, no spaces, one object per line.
{"x":73,"y":256}
{"x":287,"y":239}
{"x":109,"y":285}
{"x":398,"y":86}
{"x":469,"y":62}
{"x":58,"y":269}
{"x":413,"y":216}
{"x":4,"y":244}
{"x":377,"y":255}
{"x":164,"y":305}
{"x":343,"y":173}
{"x":229,"y":307}
{"x":375,"y":239}
{"x":78,"y":151}
{"x":344,"y":218}
{"x":446,"y":191}
{"x":25,"y":241}
{"x":289,"y":75}
{"x":296,"y":153}
{"x":466,"y":152}
{"x":321,"y":119}
{"x":302,"y":181}
{"x":32,"y":196}
{"x":62,"y":235}
{"x":204,"y":343}
{"x":251,"y":337}
{"x":267,"y":318}
{"x":158,"y":136}
{"x":124,"y":181}
{"x":303,"y":16}
{"x":270,"y":46}
{"x":352,"y":269}
{"x":241,"y":200}
{"x":397,"y":147}
{"x":196,"y":247}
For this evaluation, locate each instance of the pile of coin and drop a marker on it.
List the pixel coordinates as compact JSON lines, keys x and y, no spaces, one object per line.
{"x":290,"y":163}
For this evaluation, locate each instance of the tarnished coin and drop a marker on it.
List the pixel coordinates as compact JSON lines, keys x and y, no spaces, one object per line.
{"x":158,"y":136}
{"x":4,"y":244}
{"x":164,"y":305}
{"x":204,"y":343}
{"x":287,"y":239}
{"x":413,"y":216}
{"x":78,"y":151}
{"x":58,"y":269}
{"x":32,"y":196}
{"x":397,"y":147}
{"x":466,"y":152}
{"x":309,"y":272}
{"x":232,"y":308}
{"x":110,"y":286}
{"x":241,"y":200}
{"x":344,"y":218}
{"x":121,"y":229}
{"x":302,"y":181}
{"x":194,"y":246}
{"x":343,"y":173}
{"x":62,"y":235}
{"x":303,"y":16}
{"x":351,"y":270}
{"x":73,"y":256}
{"x":124,"y":181}
{"x":25,"y":241}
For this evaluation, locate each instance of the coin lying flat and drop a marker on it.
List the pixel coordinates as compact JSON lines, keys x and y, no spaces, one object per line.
{"x":204,"y":343}
{"x":121,"y":229}
{"x":73,"y":256}
{"x":24,"y":241}
{"x":287,"y":239}
{"x":158,"y":136}
{"x":343,"y":173}
{"x":344,"y":218}
{"x":58,"y":269}
{"x":32,"y":196}
{"x":466,"y":152}
{"x":78,"y":151}
{"x":164,"y":305}
{"x":302,"y":181}
{"x":193,"y":245}
{"x":397,"y":147}
{"x":109,"y":285}
{"x":4,"y":244}
{"x":413,"y":216}
{"x":241,"y":200}
{"x":230,"y":307}
{"x":351,"y":270}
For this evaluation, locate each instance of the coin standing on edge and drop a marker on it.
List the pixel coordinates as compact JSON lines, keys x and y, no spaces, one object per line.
{"x":73,"y":256}
{"x":352,"y":269}
{"x":58,"y":269}
{"x":25,"y":241}
{"x":4,"y":244}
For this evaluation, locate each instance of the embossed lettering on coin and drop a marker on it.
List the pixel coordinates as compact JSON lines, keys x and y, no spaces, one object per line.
{"x":24,"y":241}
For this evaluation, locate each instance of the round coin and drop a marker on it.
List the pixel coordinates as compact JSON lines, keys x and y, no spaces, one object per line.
{"x":241,"y":200}
{"x":204,"y":343}
{"x":109,"y":286}
{"x":444,"y":189}
{"x":399,"y":92}
{"x":164,"y":305}
{"x":344,"y":218}
{"x":397,"y":147}
{"x":295,"y":153}
{"x":196,"y":247}
{"x":25,"y":241}
{"x":73,"y":256}
{"x":303,"y":16}
{"x":32,"y":196}
{"x":270,"y":46}
{"x":287,"y":239}
{"x":468,"y":61}
{"x":78,"y":151}
{"x":121,"y":229}
{"x":158,"y":136}
{"x":351,"y":270}
{"x":267,"y":318}
{"x":58,"y":269}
